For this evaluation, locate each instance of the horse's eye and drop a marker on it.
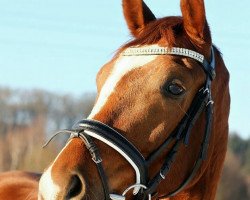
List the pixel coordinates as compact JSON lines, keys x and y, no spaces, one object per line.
{"x":175,"y":89}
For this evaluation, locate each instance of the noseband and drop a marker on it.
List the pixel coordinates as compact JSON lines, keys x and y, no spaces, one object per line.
{"x":144,"y":188}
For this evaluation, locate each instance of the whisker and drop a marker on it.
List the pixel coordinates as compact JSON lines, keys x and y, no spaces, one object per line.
{"x":28,"y":197}
{"x":179,"y":106}
{"x":93,"y":194}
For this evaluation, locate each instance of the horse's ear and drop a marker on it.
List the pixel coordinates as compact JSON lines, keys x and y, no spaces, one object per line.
{"x":194,"y":19}
{"x":137,"y":15}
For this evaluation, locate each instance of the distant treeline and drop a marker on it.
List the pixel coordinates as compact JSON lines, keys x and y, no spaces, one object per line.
{"x":28,"y":118}
{"x":235,"y":181}
{"x":21,"y":108}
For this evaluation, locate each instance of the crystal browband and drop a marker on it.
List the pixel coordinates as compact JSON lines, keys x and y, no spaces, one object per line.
{"x":136,"y":51}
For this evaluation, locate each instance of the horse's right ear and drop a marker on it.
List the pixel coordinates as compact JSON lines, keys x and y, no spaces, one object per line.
{"x":194,"y":19}
{"x":137,"y":15}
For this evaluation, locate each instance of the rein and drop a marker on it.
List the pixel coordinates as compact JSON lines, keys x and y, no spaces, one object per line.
{"x":144,"y":188}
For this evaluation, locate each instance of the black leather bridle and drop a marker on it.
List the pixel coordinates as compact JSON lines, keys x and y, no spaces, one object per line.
{"x":144,"y":188}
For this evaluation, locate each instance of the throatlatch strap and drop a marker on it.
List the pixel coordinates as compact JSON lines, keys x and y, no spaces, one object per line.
{"x":208,"y":105}
{"x":202,"y":154}
{"x":182,"y":133}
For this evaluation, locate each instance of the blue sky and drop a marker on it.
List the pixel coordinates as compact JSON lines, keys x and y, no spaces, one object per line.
{"x":59,"y":45}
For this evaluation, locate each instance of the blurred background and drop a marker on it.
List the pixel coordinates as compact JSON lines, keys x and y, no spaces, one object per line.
{"x":51,"y":50}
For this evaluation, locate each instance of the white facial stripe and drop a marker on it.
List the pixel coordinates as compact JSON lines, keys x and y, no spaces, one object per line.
{"x":47,"y":188}
{"x":123,"y":65}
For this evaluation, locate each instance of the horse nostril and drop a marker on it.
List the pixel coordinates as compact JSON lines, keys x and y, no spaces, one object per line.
{"x":75,"y":187}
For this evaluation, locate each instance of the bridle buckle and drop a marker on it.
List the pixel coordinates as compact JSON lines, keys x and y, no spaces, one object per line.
{"x":123,"y":196}
{"x":210,"y":102}
{"x":98,"y":160}
{"x":117,"y":197}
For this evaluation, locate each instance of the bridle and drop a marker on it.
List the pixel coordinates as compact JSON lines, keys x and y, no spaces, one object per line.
{"x":144,"y":188}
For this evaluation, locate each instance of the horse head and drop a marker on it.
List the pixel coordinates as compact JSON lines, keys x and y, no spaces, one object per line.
{"x":153,"y":116}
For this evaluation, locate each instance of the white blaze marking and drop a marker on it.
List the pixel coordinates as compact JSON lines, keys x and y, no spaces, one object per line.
{"x":123,"y":65}
{"x":47,"y":188}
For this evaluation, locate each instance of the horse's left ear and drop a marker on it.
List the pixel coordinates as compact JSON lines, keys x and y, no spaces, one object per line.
{"x":195,"y":23}
{"x":137,"y":15}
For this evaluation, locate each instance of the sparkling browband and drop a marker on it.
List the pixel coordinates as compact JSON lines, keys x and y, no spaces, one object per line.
{"x":136,"y":51}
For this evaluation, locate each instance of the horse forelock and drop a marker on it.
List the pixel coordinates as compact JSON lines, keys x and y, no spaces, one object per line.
{"x":164,"y":31}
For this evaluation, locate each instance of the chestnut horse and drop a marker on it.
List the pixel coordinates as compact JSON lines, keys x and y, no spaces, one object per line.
{"x":149,"y":97}
{"x":19,"y":185}
{"x":159,"y":126}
